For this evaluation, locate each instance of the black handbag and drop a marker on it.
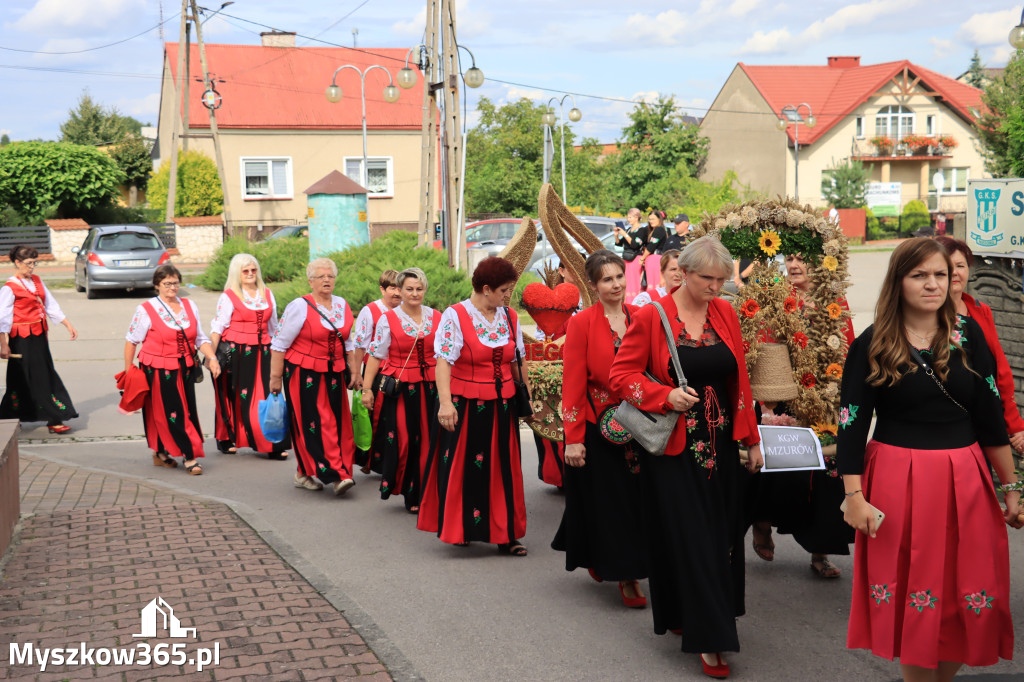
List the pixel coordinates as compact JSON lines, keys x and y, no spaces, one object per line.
{"x":524,"y":408}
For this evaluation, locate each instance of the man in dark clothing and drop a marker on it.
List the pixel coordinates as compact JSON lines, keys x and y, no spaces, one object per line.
{"x":677,"y":240}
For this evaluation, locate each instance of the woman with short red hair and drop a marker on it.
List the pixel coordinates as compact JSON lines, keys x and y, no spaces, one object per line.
{"x":473,"y":489}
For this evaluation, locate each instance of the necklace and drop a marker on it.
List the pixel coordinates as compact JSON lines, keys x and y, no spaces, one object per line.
{"x":924,"y":339}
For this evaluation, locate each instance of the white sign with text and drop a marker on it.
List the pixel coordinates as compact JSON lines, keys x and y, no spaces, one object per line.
{"x":790,"y":448}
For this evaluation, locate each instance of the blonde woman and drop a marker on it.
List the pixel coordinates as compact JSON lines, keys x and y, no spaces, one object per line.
{"x":246,"y":320}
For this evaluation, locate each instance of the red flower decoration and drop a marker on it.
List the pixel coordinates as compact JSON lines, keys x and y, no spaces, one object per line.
{"x":789,"y":305}
{"x":750,"y":308}
{"x":801,"y":339}
{"x":746,"y":347}
{"x":808,"y":380}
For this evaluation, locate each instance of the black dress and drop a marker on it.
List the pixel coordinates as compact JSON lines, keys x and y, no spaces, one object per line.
{"x":692,"y":512}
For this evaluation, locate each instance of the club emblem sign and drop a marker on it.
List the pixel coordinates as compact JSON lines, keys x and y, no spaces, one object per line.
{"x":988,"y":233}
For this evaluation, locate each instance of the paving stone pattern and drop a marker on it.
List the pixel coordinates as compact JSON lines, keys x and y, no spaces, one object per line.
{"x":99,"y":548}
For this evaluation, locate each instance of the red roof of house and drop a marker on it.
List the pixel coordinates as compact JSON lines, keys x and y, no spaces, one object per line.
{"x":283,"y":87}
{"x":833,"y":92}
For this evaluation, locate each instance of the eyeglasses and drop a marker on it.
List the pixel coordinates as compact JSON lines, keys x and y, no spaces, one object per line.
{"x":324,"y":278}
{"x":170,"y":285}
{"x":249,"y":271}
{"x":29,"y":263}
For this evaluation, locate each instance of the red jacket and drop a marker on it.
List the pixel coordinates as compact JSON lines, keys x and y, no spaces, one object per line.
{"x":589,"y":353}
{"x":29,"y":312}
{"x":982,"y":314}
{"x":645,"y":339}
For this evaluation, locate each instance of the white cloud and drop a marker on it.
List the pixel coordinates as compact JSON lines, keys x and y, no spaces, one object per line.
{"x":473,"y":23}
{"x":771,"y":42}
{"x":143,"y":108}
{"x":50,"y":16}
{"x":740,"y":8}
{"x":861,"y":14}
{"x":413,"y":28}
{"x":989,"y":28}
{"x":514,"y":94}
{"x":942,"y":47}
{"x":667,"y":28}
{"x":1000,"y":55}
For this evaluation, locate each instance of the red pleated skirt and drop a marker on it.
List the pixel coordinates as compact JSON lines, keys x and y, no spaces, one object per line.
{"x":934,"y":584}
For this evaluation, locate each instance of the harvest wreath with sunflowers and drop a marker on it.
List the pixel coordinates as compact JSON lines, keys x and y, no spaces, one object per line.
{"x":770,"y":309}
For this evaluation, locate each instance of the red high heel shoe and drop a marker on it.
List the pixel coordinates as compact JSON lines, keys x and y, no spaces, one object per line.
{"x":594,"y":575}
{"x":719,"y":671}
{"x":638,"y":602}
{"x":59,"y":428}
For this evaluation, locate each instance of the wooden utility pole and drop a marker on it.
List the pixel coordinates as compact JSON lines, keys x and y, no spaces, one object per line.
{"x":453,"y":171}
{"x":213,"y":115}
{"x":428,"y":135}
{"x":172,"y":184}
{"x":188,"y":83}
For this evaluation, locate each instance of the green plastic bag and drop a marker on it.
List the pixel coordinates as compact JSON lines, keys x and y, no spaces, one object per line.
{"x":362,"y":426}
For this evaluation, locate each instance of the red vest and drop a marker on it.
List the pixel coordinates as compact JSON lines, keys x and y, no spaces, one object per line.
{"x":248,"y":326}
{"x":29,"y":311}
{"x":481,"y":370}
{"x":416,"y":355}
{"x":317,"y":347}
{"x":163,"y":345}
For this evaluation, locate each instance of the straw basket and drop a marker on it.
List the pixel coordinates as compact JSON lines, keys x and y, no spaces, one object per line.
{"x":771,"y":379}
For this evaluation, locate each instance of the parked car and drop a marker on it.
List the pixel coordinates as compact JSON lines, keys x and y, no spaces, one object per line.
{"x":551,"y":260}
{"x":291,"y":231}
{"x":117,"y":257}
{"x":491,"y":230}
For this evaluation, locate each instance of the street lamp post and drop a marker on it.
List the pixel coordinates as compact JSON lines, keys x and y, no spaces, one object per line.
{"x":1017,"y":34}
{"x":333,"y":94}
{"x":548,"y":119}
{"x":791,"y":114}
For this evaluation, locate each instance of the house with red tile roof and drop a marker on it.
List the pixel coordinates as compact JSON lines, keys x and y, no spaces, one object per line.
{"x":926,"y":117}
{"x":279,"y":133}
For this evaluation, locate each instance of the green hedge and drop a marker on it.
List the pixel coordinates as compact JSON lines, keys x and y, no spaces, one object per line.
{"x":280,"y":260}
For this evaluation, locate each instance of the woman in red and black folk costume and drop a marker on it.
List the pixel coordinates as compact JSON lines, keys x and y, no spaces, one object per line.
{"x":931,"y":583}
{"x":246,"y":320}
{"x":366,"y":323}
{"x":34,"y":390}
{"x":168,"y":329}
{"x":691,"y":495}
{"x":309,"y":353}
{"x":404,"y":340}
{"x":474,"y":485}
{"x":601,"y":528}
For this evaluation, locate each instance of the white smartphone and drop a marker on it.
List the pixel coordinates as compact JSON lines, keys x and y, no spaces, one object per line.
{"x":879,"y":515}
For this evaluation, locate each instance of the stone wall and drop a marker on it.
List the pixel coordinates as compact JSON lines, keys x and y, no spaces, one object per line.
{"x":997,"y":282}
{"x":65,"y":234}
{"x":10,"y":493}
{"x":197,"y":239}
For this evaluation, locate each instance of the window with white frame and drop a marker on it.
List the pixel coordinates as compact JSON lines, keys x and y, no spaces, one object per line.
{"x":380,"y":177}
{"x":955,"y":180}
{"x":931,"y":125}
{"x":267,"y":177}
{"x":860,"y":127}
{"x":894,"y":121}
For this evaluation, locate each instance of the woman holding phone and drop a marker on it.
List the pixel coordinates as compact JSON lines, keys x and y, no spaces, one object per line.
{"x":931,"y":584}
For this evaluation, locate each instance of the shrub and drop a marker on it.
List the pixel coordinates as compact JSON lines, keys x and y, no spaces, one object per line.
{"x":915,"y":216}
{"x":198,"y":192}
{"x":280,"y":260}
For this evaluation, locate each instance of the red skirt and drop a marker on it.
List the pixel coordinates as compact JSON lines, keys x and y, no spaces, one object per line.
{"x":320,"y":422}
{"x":634,"y":276}
{"x":169,"y":414}
{"x":934,"y":584}
{"x":550,"y":460}
{"x":238,"y":391}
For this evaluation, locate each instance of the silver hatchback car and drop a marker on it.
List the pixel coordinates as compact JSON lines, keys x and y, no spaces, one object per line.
{"x":118,"y":257}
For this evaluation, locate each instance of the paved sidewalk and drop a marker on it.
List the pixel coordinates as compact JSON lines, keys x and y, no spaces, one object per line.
{"x":94,"y":549}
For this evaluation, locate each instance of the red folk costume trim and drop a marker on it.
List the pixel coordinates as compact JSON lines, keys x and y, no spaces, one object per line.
{"x":586,"y":368}
{"x":29,"y":317}
{"x":248,"y":326}
{"x":317,"y":347}
{"x":478,"y":377}
{"x":416,"y":355}
{"x":982,"y":314}
{"x":645,"y":339}
{"x":163,"y":345}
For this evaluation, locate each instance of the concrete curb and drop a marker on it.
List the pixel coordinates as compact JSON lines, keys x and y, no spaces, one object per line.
{"x":399,"y":667}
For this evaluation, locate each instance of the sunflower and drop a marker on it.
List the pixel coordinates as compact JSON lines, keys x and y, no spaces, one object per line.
{"x":769,"y":242}
{"x":822,"y":429}
{"x":750,"y":308}
{"x":834,"y":370}
{"x":830,"y":263}
{"x":834,"y":310}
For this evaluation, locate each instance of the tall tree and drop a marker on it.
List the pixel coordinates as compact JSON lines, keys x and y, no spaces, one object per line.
{"x":5,"y":140}
{"x":133,"y":157}
{"x":1001,"y":125}
{"x":845,"y":183}
{"x":976,"y":71}
{"x":92,"y":124}
{"x":76,"y":178}
{"x":656,"y":144}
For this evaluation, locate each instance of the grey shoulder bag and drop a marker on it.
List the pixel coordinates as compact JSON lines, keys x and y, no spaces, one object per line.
{"x":653,"y":429}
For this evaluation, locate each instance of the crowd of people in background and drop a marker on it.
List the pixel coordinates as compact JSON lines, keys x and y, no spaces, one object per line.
{"x":444,"y":394}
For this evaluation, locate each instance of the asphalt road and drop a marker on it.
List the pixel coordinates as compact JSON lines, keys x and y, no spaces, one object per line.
{"x":469,"y":614}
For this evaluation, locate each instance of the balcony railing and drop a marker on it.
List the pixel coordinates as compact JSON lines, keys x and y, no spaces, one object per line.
{"x":910,"y":146}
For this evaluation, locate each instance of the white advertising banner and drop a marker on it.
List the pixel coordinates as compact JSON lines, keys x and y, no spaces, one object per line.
{"x":995,"y":216}
{"x":884,"y":198}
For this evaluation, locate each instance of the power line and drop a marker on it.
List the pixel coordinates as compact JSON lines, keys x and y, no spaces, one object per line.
{"x":354,"y":10}
{"x":92,"y":49}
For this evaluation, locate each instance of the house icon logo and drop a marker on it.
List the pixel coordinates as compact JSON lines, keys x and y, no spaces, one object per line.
{"x":171,"y":624}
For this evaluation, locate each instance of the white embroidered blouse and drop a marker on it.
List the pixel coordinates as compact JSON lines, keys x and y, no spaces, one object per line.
{"x":382,"y":337}
{"x":294,"y":317}
{"x":644,"y":297}
{"x":448,"y":339}
{"x":363,"y":329}
{"x":51,"y":307}
{"x":141,"y":322}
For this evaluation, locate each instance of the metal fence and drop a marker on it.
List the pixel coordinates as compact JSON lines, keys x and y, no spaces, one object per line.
{"x":904,"y":226}
{"x":256,"y":230}
{"x":37,"y":236}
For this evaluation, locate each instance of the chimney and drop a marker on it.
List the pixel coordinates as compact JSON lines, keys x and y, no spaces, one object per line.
{"x":843,"y":62}
{"x":278,"y":39}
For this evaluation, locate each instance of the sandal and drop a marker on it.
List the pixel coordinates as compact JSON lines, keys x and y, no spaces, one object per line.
{"x":194,"y":469}
{"x":514,"y":548}
{"x":764,"y":551}
{"x":824,"y":568}
{"x":280,"y":456}
{"x":462,"y":544}
{"x":159,"y":461}
{"x":225,"y":447}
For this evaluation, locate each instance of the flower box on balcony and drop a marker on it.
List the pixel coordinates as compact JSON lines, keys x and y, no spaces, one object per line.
{"x":918,"y":144}
{"x":883,"y":145}
{"x":946,"y":142}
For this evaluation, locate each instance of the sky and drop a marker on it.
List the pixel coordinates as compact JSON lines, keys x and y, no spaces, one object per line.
{"x":609,"y":54}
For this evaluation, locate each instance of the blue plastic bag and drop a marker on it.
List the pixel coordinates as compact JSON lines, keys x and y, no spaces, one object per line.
{"x":274,"y":417}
